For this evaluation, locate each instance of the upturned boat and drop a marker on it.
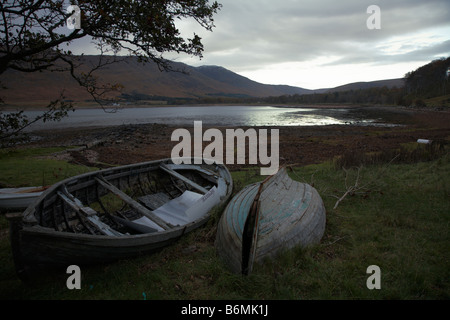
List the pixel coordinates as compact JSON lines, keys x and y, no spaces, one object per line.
{"x":267,"y":217}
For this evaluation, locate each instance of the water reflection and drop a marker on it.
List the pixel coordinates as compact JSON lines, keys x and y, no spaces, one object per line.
{"x":211,"y":115}
{"x":321,"y":116}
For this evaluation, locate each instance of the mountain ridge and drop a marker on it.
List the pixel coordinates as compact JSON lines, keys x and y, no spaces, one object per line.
{"x":143,"y":81}
{"x":389,"y":83}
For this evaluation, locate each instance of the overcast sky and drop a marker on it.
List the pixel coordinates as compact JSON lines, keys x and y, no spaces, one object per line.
{"x":322,"y":43}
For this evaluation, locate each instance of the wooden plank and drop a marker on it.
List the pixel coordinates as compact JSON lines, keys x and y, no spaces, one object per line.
{"x":133,"y":203}
{"x":183,"y":178}
{"x":154,"y":201}
{"x":88,"y":213}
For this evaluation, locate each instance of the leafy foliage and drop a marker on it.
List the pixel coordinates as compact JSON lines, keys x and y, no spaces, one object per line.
{"x":429,"y":80}
{"x":34,"y":37}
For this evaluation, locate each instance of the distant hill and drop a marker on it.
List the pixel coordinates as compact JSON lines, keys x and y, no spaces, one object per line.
{"x":146,"y":81}
{"x":140,"y":81}
{"x":257,"y":89}
{"x":371,"y":84}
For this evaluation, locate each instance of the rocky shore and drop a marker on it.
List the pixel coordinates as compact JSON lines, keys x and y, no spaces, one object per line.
{"x":125,"y":144}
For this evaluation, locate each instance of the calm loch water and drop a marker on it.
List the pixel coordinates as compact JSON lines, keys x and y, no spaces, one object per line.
{"x":240,"y":116}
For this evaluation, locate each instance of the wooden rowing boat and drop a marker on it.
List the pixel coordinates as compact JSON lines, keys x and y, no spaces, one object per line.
{"x":19,"y":198}
{"x":116,"y":213}
{"x":267,"y":217}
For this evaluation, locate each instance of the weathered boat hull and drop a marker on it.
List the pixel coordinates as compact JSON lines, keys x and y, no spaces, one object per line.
{"x":19,"y":198}
{"x":286,"y":213}
{"x":41,"y":247}
{"x":50,"y":233}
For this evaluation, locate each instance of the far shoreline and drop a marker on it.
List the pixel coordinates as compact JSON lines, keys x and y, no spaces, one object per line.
{"x":37,"y":106}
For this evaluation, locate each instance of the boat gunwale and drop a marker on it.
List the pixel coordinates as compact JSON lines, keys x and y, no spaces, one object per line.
{"x":30,"y":220}
{"x":37,"y":229}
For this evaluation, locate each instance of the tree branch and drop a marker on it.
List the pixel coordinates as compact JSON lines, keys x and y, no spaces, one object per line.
{"x":357,"y":187}
{"x":29,"y":40}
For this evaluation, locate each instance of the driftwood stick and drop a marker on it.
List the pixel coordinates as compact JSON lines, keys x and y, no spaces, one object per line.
{"x":357,"y":187}
{"x":350,"y":189}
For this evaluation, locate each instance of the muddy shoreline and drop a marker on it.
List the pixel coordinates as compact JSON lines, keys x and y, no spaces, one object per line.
{"x":125,"y":144}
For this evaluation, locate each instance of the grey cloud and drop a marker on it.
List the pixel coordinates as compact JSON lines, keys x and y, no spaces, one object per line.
{"x":367,"y":55}
{"x":256,"y":34}
{"x":267,"y":32}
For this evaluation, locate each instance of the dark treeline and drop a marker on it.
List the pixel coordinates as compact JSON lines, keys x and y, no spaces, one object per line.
{"x":381,"y":95}
{"x":428,"y":81}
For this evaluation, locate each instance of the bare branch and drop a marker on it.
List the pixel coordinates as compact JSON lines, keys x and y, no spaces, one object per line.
{"x":357,"y":188}
{"x":350,"y":190}
{"x":12,"y":124}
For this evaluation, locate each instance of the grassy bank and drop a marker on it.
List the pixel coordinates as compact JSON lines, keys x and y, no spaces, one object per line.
{"x":398,"y":220}
{"x":35,"y":167}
